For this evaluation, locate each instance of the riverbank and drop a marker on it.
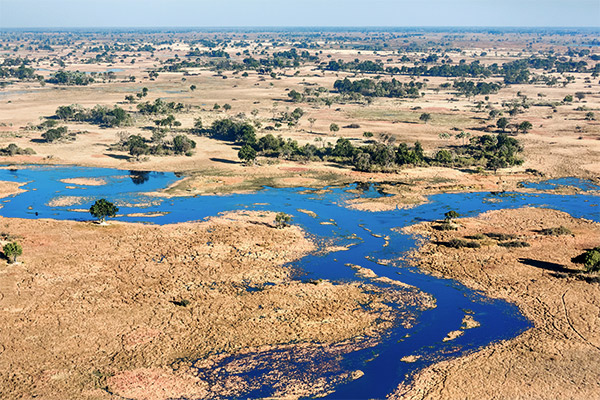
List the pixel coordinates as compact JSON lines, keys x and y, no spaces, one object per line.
{"x":559,"y":357}
{"x":10,"y":189}
{"x":94,"y":310}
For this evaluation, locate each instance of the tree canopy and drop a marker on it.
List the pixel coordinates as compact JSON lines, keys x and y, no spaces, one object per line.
{"x":103,"y":209}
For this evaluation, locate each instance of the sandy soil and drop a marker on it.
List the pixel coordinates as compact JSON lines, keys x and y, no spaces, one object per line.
{"x":560,"y":357}
{"x":97,"y":309}
{"x":10,"y":188}
{"x":85,"y":181}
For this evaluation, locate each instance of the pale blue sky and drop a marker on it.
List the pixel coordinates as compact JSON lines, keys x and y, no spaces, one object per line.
{"x":229,"y":13}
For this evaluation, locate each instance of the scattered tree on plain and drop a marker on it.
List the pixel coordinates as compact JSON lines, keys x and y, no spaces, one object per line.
{"x":282,"y":220}
{"x":103,"y":209}
{"x":502,"y":123}
{"x":12,"y":251}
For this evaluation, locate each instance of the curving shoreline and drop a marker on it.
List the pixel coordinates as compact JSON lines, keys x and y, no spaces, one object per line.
{"x":330,"y":216}
{"x":91,"y":308}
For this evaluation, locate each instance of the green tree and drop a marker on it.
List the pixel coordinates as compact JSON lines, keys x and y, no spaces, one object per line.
{"x":524,"y":126}
{"x":282,"y":220}
{"x":568,"y":98}
{"x":362,"y":162}
{"x":247,"y":153}
{"x":65,"y":112}
{"x":295,"y":96}
{"x":158,"y":135}
{"x":311,"y":121}
{"x":450,"y":215}
{"x":443,"y":157}
{"x":227,"y":106}
{"x":343,"y":148}
{"x":137,"y":146}
{"x":419,"y":154}
{"x":12,"y":251}
{"x":103,"y":209}
{"x":502,"y":123}
{"x":193,"y":87}
{"x":197,"y":125}
{"x":497,"y":161}
{"x":425,"y":117}
{"x":54,"y":134}
{"x":183,"y":145}
{"x":590,"y":259}
{"x":334,"y":127}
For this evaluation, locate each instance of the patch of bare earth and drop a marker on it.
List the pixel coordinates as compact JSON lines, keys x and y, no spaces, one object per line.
{"x":560,"y":357}
{"x":85,"y":181}
{"x":10,"y":188}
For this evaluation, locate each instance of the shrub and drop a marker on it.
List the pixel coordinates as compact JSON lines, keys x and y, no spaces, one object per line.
{"x":514,"y":244}
{"x":247,"y":153}
{"x":592,"y":260}
{"x":557,"y":231}
{"x":54,"y":134}
{"x":12,"y":149}
{"x":501,"y":236}
{"x":446,"y":226}
{"x":450,"y":215}
{"x":282,"y":219}
{"x":459,"y":243}
{"x":477,"y":236}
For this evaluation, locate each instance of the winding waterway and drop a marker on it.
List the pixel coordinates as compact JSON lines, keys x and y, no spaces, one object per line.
{"x":371,"y":238}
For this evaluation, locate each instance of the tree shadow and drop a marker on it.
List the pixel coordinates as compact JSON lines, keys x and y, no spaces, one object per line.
{"x":118,"y":156}
{"x":336,"y":165}
{"x":223,"y":160}
{"x":548,"y":266}
{"x":263,"y":224}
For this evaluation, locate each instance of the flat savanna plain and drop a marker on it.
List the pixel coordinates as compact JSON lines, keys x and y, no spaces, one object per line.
{"x":72,"y":271}
{"x":560,"y":143}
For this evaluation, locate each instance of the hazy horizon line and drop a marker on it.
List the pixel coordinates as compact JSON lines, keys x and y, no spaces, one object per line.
{"x":308,"y":27}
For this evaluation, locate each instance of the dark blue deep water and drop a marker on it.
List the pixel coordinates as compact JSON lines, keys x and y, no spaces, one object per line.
{"x":381,"y":365}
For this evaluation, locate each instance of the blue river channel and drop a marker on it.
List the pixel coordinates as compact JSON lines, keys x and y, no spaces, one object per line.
{"x":366,"y":232}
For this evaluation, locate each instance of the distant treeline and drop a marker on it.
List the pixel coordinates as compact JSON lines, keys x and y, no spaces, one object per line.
{"x":512,"y":72}
{"x":379,"y":88}
{"x":18,"y":68}
{"x":488,"y":151}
